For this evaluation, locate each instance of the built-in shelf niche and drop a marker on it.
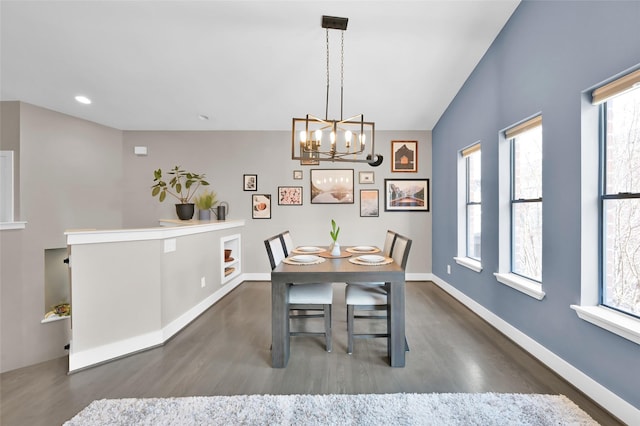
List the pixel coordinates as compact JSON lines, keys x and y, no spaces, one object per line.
{"x":56,"y":281}
{"x":230,"y":267}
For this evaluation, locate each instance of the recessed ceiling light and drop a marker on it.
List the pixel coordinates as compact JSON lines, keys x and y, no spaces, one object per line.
{"x":203,"y":117}
{"x":83,"y":99}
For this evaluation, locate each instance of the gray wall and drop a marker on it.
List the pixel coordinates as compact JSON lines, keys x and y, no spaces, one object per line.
{"x":226,"y":156}
{"x":547,"y":54}
{"x":70,"y":177}
{"x":77,"y":174}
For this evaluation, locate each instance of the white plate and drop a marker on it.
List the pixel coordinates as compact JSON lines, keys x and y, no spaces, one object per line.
{"x":372,"y":258}
{"x":304,"y":258}
{"x":309,"y":249}
{"x":364,"y":248}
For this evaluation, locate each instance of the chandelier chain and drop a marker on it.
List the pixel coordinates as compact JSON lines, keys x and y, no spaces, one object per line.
{"x":326,"y":112}
{"x":341,"y":73}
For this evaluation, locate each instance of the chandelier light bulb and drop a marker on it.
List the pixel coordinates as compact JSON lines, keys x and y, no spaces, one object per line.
{"x":319,"y":136}
{"x":303,"y":136}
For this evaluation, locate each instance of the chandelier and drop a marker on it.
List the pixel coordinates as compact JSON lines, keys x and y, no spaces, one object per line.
{"x":352,"y":140}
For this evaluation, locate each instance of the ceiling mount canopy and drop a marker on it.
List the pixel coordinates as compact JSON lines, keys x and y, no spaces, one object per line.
{"x":349,"y":140}
{"x":335,"y":23}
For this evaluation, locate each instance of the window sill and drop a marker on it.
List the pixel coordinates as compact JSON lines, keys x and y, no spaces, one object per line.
{"x":616,"y":322}
{"x":467,"y":262}
{"x":12,"y":225}
{"x":528,"y":287}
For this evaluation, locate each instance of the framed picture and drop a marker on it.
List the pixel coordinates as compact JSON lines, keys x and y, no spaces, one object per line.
{"x":250,"y":182}
{"x":404,"y":156}
{"x":261,"y":206}
{"x":369,"y":203}
{"x":331,"y":186}
{"x":297,"y":174}
{"x":406,"y":195}
{"x":365,"y":177}
{"x":289,"y":195}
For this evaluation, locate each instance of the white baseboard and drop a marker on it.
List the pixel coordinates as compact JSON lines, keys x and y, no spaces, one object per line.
{"x":101,"y":354}
{"x":183,"y":320}
{"x":266,"y":276}
{"x":257,"y":276}
{"x":600,"y":394}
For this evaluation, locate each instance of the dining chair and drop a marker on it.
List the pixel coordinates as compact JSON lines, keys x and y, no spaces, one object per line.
{"x":373,"y":297}
{"x":304,"y":298}
{"x":287,"y":242}
{"x":387,"y":248}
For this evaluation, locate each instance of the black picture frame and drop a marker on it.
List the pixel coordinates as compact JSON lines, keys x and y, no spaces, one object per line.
{"x":261,"y":206}
{"x":406,"y":195}
{"x":332,"y":186}
{"x":289,"y":195}
{"x":250,"y":182}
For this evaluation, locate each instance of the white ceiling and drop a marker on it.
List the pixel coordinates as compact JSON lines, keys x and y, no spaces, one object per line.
{"x":248,"y":65}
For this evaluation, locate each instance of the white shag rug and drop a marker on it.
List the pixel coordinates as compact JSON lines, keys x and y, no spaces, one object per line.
{"x":371,"y":409}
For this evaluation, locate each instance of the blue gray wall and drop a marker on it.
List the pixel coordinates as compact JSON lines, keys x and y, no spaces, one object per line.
{"x":544,"y":58}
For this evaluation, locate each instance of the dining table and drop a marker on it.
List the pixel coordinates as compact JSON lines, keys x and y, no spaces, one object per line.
{"x":337,"y":269}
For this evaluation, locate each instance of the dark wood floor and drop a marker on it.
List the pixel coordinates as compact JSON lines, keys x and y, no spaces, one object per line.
{"x":226,"y":352}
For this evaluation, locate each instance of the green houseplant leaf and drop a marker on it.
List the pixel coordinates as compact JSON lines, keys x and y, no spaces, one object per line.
{"x":206,"y":200}
{"x":335,"y":230}
{"x":182,"y":185}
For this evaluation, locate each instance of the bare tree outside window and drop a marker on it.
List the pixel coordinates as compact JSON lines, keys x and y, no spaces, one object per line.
{"x":526,"y":204}
{"x":474,"y":206}
{"x":621,"y":203}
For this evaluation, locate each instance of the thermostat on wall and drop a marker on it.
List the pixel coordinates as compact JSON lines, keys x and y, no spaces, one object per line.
{"x":140,"y":150}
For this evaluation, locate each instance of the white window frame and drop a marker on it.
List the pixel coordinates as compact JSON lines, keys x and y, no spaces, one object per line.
{"x":7,"y":219}
{"x":462,"y":259}
{"x":504,"y":275}
{"x":589,"y":309}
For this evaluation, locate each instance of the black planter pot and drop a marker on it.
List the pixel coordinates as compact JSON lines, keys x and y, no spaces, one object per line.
{"x":185,"y":211}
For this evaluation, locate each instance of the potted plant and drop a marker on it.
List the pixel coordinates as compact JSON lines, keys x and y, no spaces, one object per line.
{"x":335,"y":246}
{"x":182,"y":185}
{"x":205,"y":202}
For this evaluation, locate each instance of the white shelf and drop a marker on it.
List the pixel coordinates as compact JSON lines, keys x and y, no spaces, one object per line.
{"x":53,"y":318}
{"x":233,"y":243}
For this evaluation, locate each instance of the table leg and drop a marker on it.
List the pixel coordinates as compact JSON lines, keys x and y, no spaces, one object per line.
{"x":279,"y":323}
{"x":395,"y":323}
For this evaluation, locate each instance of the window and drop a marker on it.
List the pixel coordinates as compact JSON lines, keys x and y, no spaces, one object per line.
{"x":609,"y":203}
{"x":620,"y":201}
{"x":520,"y":214}
{"x":526,"y":200}
{"x":473,"y":203}
{"x":469,"y":208}
{"x":7,"y":183}
{"x":6,"y":186}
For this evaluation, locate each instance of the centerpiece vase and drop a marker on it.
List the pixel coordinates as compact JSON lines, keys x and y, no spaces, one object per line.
{"x":335,"y":249}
